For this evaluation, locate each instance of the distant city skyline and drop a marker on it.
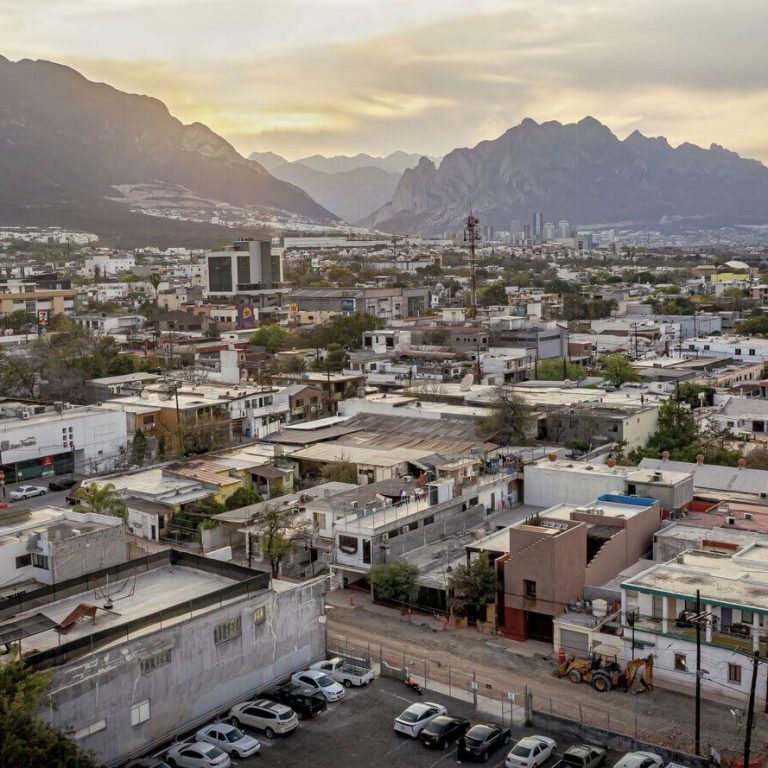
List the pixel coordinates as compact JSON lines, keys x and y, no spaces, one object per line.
{"x":299,"y":77}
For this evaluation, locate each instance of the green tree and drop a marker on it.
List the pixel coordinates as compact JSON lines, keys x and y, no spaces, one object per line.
{"x":138,"y":446}
{"x":689,"y":392}
{"x":472,"y":587}
{"x":242,"y":497}
{"x":273,"y":338}
{"x":395,"y":580}
{"x":343,"y":471}
{"x":277,"y":529}
{"x":344,"y":330}
{"x":551,"y":369}
{"x":754,"y":326}
{"x":618,"y":370}
{"x":333,"y":360}
{"x":102,"y":500}
{"x":25,"y":739}
{"x":492,"y":295}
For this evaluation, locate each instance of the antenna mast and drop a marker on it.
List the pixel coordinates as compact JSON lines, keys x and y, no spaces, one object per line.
{"x":471,"y":236}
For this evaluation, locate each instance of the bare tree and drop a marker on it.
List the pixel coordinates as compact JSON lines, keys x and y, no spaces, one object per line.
{"x":277,"y":531}
{"x":512,"y":420}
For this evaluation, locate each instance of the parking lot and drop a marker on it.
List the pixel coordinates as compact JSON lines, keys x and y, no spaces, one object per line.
{"x":358,"y":731}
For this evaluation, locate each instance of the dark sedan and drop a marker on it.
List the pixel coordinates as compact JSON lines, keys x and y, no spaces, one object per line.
{"x":443,"y":731}
{"x":481,"y":741}
{"x":62,"y":484}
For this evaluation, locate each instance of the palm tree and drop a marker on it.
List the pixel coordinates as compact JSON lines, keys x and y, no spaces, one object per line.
{"x":155,"y":278}
{"x":102,"y":500}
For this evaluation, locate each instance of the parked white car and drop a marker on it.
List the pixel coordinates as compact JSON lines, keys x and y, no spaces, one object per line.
{"x":319,"y":681}
{"x":197,"y":754}
{"x":345,"y":671}
{"x":413,"y":720}
{"x":230,"y":739}
{"x":640,"y":760}
{"x":27,"y":492}
{"x":264,"y":715}
{"x":530,"y":751}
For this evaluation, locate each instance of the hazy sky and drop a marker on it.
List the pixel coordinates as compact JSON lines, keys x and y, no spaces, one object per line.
{"x":345,"y":76}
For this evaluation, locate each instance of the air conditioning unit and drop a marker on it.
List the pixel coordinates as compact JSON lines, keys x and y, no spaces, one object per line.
{"x":25,"y":414}
{"x":656,"y":478}
{"x":353,"y":504}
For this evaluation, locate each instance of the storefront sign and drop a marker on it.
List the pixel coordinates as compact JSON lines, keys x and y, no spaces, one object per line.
{"x":27,"y":442}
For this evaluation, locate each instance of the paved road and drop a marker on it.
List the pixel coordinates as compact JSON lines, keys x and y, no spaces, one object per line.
{"x":663,"y":717}
{"x":50,"y":499}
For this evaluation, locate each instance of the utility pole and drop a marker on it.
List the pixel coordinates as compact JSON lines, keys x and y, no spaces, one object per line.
{"x":471,"y":236}
{"x":698,"y":672}
{"x":751,"y":710}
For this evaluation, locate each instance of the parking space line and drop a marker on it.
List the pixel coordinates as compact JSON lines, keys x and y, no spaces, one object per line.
{"x":399,"y":746}
{"x":449,"y":754}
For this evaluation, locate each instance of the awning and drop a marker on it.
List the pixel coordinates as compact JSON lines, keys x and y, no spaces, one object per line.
{"x":32,"y":625}
{"x":268,"y":472}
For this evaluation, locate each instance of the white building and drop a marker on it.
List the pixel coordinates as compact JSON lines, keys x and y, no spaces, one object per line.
{"x":657,"y":606}
{"x":40,"y":440}
{"x":51,"y":545}
{"x":250,"y":265}
{"x":745,"y":348}
{"x":107,"y":265}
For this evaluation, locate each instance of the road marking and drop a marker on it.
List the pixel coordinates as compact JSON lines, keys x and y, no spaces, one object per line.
{"x":399,"y":746}
{"x":449,"y":754}
{"x":397,"y":696}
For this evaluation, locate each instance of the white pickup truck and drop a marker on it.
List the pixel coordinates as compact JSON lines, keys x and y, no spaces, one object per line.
{"x":345,"y":671}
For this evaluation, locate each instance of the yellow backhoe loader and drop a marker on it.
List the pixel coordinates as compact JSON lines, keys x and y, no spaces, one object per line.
{"x":603,"y":672}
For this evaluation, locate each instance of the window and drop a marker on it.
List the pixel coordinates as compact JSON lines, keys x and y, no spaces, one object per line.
{"x":89,"y":730}
{"x":243,"y":270}
{"x":657,"y":607}
{"x":40,"y":561}
{"x":529,"y":587}
{"x":751,"y":351}
{"x":734,"y":673}
{"x":260,"y":615}
{"x":429,"y":519}
{"x":155,"y":661}
{"x":681,"y":665}
{"x":229,"y":630}
{"x":348,"y":544}
{"x":631,"y":489}
{"x":413,"y":526}
{"x":23,"y":560}
{"x":220,"y":274}
{"x":140,"y":713}
{"x":747,"y":617}
{"x":367,"y":551}
{"x":737,"y":350}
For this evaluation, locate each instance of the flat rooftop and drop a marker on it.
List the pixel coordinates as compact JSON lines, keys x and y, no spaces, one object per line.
{"x":145,"y":594}
{"x":602,"y":507}
{"x":741,"y":580}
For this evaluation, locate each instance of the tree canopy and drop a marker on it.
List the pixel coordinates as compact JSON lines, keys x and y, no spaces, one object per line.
{"x":511,"y":420}
{"x":472,"y":587}
{"x":25,"y":739}
{"x":344,"y":330}
{"x":276,"y":530}
{"x":273,"y":338}
{"x":551,"y":369}
{"x":395,"y":580}
{"x":619,"y":370}
{"x":102,"y":500}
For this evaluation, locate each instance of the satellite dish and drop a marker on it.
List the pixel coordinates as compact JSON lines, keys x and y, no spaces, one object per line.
{"x":467,"y":382}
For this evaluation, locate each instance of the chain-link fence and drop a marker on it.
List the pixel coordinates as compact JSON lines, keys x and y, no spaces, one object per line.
{"x":636,"y":722}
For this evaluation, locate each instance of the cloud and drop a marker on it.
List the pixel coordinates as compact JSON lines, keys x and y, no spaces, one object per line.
{"x":303,"y":76}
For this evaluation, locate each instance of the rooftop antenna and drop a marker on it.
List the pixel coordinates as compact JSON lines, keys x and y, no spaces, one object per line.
{"x":471,"y":236}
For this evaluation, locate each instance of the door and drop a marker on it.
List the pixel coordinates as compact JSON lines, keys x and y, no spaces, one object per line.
{"x":153,"y":531}
{"x":726,"y":618}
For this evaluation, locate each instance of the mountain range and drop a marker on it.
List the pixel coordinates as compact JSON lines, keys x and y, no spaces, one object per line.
{"x":351,"y":186}
{"x":581,"y":172}
{"x":83,"y":154}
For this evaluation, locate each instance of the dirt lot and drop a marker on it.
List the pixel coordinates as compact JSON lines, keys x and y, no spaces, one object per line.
{"x":662,"y":717}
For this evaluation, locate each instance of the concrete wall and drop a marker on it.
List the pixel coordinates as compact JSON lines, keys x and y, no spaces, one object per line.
{"x":445,"y":525}
{"x":201,"y":679}
{"x":87,"y":552}
{"x":554,"y":561}
{"x":637,"y":428}
{"x":545,"y":485}
{"x":670,"y":496}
